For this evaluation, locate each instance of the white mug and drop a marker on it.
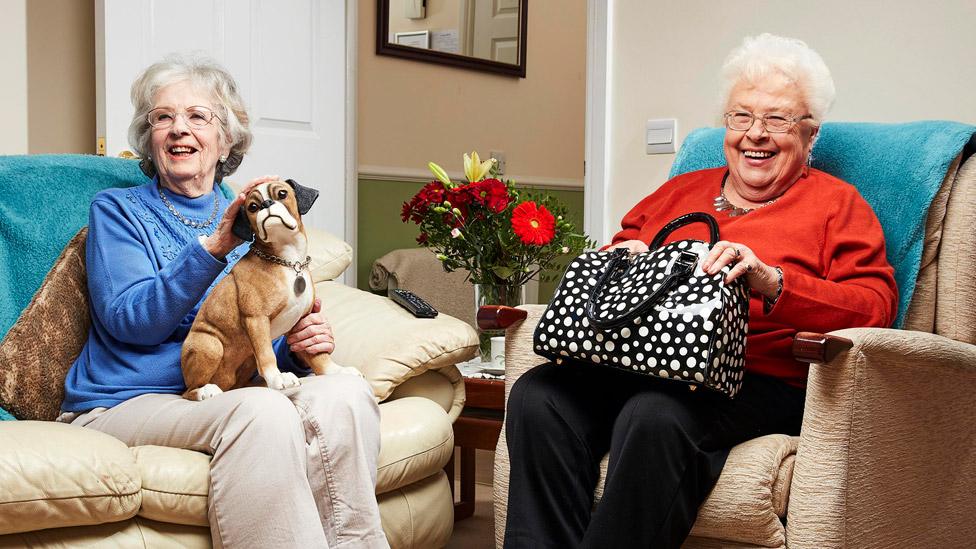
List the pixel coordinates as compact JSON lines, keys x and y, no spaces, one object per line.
{"x":498,"y":352}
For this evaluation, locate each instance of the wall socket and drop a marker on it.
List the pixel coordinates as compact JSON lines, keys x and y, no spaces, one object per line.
{"x":500,"y":157}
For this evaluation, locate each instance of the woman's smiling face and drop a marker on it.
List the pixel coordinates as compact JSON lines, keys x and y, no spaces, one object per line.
{"x":763,"y":164}
{"x":186,"y":156}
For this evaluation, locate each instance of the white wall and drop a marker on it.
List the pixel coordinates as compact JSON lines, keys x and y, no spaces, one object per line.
{"x":892,"y":61}
{"x":13,"y":67}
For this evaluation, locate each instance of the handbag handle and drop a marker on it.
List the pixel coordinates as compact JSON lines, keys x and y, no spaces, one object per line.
{"x":687,"y":219}
{"x":683,"y":267}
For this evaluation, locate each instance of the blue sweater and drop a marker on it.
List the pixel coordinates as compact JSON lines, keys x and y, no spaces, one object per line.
{"x":147,"y":276}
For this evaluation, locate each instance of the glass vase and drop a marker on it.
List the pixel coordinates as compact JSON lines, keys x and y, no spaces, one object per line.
{"x":495,"y":294}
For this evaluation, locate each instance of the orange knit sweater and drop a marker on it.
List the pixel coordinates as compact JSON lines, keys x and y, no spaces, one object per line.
{"x":822,"y":234}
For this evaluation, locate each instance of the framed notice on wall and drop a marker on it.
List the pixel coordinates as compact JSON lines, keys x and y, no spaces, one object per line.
{"x":413,"y":39}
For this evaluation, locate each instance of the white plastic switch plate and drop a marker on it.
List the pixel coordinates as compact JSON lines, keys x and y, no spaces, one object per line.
{"x":415,"y":9}
{"x":660,"y":135}
{"x":500,"y":157}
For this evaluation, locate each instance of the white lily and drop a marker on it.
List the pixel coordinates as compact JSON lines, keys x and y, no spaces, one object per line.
{"x":474,"y":168}
{"x":439,"y":173}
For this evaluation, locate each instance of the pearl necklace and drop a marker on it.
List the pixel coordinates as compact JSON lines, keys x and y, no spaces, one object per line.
{"x":187,"y":222}
{"x":722,"y":203}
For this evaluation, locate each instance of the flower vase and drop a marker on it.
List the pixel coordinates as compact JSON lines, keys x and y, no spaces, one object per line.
{"x":495,"y":294}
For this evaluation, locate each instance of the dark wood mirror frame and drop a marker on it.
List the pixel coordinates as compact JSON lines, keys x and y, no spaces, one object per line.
{"x":384,"y":47}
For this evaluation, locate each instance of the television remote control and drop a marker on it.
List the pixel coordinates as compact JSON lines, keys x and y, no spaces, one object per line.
{"x":411,"y":302}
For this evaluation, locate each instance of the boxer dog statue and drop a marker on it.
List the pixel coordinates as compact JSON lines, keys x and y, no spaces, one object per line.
{"x":266,"y":293}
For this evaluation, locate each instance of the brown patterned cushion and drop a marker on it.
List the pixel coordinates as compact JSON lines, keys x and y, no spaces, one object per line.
{"x":46,"y":339}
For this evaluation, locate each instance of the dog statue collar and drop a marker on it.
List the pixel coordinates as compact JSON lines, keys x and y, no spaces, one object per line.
{"x":299,"y":266}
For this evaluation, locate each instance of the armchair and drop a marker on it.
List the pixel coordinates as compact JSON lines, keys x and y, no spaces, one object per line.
{"x":62,"y":485}
{"x":887,"y":452}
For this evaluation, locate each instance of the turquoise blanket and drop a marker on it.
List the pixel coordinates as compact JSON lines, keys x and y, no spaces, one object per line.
{"x":44,"y":201}
{"x":897,"y":168}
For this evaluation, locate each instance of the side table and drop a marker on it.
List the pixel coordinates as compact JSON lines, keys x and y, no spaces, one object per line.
{"x":477,"y":428}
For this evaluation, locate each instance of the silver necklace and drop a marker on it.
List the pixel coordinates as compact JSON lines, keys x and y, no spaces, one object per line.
{"x":298,"y":266}
{"x":722,"y":203}
{"x":188,"y":222}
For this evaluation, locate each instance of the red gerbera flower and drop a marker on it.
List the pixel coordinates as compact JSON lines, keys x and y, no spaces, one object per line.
{"x":533,"y":224}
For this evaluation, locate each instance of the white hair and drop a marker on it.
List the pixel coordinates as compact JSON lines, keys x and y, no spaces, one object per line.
{"x":759,"y":56}
{"x":211,"y":78}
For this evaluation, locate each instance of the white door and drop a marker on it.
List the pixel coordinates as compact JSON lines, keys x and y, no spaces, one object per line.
{"x":291,"y":59}
{"x":494,"y":30}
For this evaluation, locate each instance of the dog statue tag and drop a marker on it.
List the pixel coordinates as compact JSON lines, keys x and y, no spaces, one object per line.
{"x":299,"y":285}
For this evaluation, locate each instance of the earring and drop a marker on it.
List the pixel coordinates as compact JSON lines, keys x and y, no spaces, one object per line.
{"x":223,"y":158}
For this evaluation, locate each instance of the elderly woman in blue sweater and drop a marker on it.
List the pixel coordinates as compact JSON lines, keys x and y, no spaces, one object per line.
{"x":307,"y":454}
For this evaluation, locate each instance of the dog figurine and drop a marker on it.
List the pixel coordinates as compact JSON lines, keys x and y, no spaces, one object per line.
{"x":266,"y":293}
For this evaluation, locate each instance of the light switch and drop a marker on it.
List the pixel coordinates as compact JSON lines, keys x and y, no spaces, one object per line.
{"x":415,"y":9}
{"x":660,"y":135}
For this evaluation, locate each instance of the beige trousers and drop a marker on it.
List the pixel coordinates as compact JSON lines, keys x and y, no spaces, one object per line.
{"x":292,"y":468}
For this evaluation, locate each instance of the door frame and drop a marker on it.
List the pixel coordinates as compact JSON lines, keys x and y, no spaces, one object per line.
{"x":599,"y":119}
{"x":350,"y":131}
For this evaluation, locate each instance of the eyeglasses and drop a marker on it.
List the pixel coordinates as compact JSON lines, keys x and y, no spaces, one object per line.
{"x":195,"y":117}
{"x":741,"y":121}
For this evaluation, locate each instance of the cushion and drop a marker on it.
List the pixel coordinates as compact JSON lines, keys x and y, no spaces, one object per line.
{"x":399,"y":346}
{"x":419,"y":515}
{"x":175,"y":484}
{"x":749,"y":500}
{"x":38,"y":351}
{"x":57,"y":475}
{"x":330,"y":255}
{"x":416,"y":441}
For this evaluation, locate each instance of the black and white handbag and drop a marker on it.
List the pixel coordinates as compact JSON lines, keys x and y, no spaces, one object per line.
{"x":655,"y":313}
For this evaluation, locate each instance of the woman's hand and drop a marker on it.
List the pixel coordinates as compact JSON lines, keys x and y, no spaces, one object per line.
{"x":313,"y":333}
{"x":222,"y":241}
{"x":633,"y":246}
{"x":761,"y":277}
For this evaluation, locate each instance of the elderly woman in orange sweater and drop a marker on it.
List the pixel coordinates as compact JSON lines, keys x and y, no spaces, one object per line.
{"x":813,"y":254}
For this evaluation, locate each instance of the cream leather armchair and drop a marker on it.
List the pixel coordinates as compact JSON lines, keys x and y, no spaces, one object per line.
{"x":62,"y":485}
{"x":887,"y":453}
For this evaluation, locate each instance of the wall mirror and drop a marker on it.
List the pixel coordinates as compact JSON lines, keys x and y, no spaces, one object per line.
{"x":485,"y":35}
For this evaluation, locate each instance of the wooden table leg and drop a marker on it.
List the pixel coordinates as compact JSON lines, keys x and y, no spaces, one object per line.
{"x":449,"y":469}
{"x":465,"y":507}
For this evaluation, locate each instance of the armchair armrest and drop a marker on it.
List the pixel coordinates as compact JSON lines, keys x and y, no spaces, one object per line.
{"x":519,"y":358}
{"x":819,"y":348}
{"x":887,"y":454}
{"x":499,"y":317}
{"x":389,"y":345}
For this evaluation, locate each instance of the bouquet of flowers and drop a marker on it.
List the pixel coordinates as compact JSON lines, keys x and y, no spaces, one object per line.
{"x":502,"y":235}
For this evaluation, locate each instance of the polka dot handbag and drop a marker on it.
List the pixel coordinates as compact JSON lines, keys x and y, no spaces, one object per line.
{"x":655,"y":313}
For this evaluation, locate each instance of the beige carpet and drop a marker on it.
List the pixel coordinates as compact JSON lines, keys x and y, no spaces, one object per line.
{"x":478,"y":530}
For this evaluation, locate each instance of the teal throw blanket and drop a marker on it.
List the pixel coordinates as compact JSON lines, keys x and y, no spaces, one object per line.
{"x":898,"y":168}
{"x":44,"y":201}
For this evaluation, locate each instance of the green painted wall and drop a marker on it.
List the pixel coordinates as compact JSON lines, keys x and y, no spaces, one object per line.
{"x":380,"y":229}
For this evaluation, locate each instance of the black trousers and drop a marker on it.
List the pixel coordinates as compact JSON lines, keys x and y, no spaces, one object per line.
{"x":667,"y":447}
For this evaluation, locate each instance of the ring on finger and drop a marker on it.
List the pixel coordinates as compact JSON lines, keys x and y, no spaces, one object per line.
{"x":749,"y":267}
{"x":738,"y":253}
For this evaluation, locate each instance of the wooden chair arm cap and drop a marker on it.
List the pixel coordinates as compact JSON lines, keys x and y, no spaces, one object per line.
{"x":819,"y":348}
{"x":499,"y":317}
